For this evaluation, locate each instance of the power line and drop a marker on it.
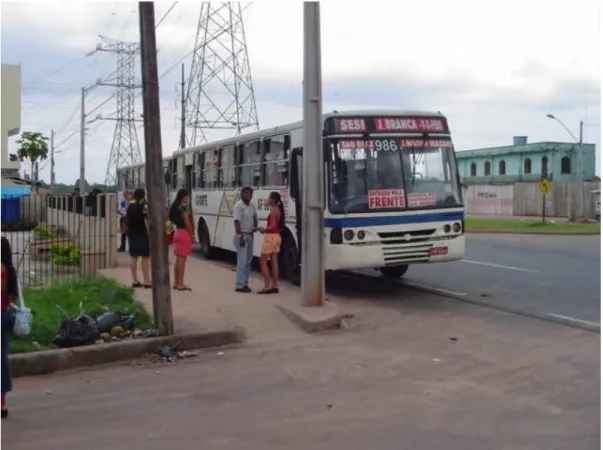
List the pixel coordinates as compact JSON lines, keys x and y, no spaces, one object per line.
{"x":166,"y":14}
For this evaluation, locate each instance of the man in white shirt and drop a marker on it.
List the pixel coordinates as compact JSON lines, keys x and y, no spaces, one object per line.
{"x":123,"y":223}
{"x":246,"y":223}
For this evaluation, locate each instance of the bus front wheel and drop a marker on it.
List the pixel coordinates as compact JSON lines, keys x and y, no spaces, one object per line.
{"x":393,"y":271}
{"x":204,"y":240}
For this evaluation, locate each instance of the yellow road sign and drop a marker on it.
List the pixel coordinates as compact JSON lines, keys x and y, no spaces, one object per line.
{"x":545,"y":186}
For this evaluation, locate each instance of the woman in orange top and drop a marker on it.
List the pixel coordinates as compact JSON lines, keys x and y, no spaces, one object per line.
{"x":272,"y":242}
{"x":10,"y":290}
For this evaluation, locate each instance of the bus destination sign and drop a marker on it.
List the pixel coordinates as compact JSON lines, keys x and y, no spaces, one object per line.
{"x":393,"y":144}
{"x":356,"y":125}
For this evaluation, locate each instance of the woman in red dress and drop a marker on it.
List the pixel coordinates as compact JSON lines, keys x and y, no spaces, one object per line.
{"x":10,"y":290}
{"x":272,"y":242}
{"x":182,"y":219}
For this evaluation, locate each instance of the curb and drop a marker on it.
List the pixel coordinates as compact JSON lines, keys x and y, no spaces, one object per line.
{"x":312,"y":319}
{"x":585,"y":326}
{"x":588,"y":233}
{"x":45,"y":362}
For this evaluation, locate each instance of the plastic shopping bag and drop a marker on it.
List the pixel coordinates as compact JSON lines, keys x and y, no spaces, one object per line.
{"x":22,"y":316}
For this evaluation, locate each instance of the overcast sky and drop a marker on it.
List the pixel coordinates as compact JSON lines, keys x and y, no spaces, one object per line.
{"x":495,"y":69}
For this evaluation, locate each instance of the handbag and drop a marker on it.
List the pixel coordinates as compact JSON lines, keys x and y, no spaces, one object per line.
{"x":23,"y":315}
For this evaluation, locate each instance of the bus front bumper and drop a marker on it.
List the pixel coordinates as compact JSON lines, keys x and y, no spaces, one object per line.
{"x":375,"y":255}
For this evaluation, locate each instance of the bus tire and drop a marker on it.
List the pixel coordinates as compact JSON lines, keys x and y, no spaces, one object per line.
{"x":204,"y":240}
{"x":288,"y":263}
{"x":394,"y":271}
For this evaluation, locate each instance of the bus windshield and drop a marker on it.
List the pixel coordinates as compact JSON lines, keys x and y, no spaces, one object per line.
{"x":392,"y":174}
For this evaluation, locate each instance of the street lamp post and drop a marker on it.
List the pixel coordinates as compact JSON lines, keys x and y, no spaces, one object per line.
{"x":580,"y":161}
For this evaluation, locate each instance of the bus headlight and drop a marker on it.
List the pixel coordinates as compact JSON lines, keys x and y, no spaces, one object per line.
{"x":456,"y":227}
{"x":348,"y":235}
{"x":446,"y":228}
{"x":360,"y":234}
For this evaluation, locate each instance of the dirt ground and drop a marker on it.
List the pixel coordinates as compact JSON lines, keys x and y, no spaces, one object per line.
{"x":409,"y":371}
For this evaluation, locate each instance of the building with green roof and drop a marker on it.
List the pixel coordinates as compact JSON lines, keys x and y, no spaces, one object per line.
{"x":525,"y":162}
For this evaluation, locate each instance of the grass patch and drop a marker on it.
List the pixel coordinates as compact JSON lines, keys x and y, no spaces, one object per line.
{"x":93,"y":295}
{"x":528,"y":226}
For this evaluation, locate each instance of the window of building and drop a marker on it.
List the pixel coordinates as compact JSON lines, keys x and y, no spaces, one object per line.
{"x":502,"y":168}
{"x":210,"y":169}
{"x":250,"y":164}
{"x":544,"y":166}
{"x":473,"y":169}
{"x":566,"y":165}
{"x":527,"y":166}
{"x":228,"y":173}
{"x":487,"y":168}
{"x":276,"y":160}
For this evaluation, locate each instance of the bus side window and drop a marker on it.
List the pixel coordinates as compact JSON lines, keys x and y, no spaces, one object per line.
{"x":251,"y":163}
{"x":210,"y":173}
{"x":174,"y":172}
{"x":227,"y":168}
{"x":276,"y":161}
{"x":200,"y":171}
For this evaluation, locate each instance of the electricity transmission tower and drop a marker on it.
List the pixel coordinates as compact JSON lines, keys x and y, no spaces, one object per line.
{"x":219,"y":92}
{"x":125,"y":149}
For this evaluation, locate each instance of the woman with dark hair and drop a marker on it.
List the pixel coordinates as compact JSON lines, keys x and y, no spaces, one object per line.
{"x":272,"y":242}
{"x":181,"y":217}
{"x":10,"y":290}
{"x":138,"y":239}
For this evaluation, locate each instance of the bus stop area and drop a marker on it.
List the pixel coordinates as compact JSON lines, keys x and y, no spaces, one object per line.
{"x":406,"y":369}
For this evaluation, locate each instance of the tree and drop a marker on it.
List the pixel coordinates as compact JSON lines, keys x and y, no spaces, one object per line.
{"x":33,"y":147}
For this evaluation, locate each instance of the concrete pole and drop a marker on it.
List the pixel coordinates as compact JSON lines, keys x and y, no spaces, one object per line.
{"x":581,"y":171}
{"x":160,"y":272}
{"x":51,"y":161}
{"x":83,"y":144}
{"x":313,"y":274}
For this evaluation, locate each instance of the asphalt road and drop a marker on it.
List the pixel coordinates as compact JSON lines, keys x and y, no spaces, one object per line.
{"x":412,"y":370}
{"x":557,"y":276}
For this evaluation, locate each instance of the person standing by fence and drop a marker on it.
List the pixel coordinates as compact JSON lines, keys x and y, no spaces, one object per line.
{"x":10,"y":291}
{"x":246,"y":223}
{"x":181,"y":217}
{"x":138,"y":239}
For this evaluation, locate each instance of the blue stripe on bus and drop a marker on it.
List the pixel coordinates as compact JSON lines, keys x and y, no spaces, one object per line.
{"x":354,"y":222}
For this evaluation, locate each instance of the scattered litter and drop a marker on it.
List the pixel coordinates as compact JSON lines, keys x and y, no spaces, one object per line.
{"x":453,"y":339}
{"x":76,"y":332}
{"x":169,"y":355}
{"x":486,"y":294}
{"x":436,"y":359}
{"x":329,"y":406}
{"x":110,"y":326}
{"x":220,"y":353}
{"x":47,"y":392}
{"x":348,"y":316}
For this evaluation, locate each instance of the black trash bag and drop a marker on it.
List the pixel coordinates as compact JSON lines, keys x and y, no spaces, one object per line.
{"x":108,"y":320}
{"x":77,"y":332}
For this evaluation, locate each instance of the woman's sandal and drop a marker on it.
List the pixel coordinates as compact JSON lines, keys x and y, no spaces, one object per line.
{"x":147,"y":286}
{"x":268,"y":291}
{"x":184,"y":288}
{"x":136,"y":285}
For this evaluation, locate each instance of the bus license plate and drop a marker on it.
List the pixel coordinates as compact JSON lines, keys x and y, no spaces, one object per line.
{"x":438,"y":251}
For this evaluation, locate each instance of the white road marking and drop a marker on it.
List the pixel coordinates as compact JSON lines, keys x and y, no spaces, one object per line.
{"x":480,"y":263}
{"x":424,"y":286}
{"x":573,"y":319}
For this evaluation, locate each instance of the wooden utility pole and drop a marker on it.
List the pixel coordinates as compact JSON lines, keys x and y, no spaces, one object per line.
{"x":162,"y":302}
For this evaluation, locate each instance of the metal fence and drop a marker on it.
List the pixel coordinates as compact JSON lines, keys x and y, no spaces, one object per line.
{"x":57,"y":238}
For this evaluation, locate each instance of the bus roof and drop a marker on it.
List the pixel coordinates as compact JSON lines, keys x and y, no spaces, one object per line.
{"x":296,"y":125}
{"x":299,"y":123}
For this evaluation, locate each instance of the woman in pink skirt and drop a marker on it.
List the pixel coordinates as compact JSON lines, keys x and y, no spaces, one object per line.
{"x":182,"y":219}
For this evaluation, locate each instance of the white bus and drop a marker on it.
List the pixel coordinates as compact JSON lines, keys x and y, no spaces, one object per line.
{"x":392,"y":189}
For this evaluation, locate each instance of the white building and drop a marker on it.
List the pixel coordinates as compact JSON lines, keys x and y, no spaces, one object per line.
{"x":11,"y":114}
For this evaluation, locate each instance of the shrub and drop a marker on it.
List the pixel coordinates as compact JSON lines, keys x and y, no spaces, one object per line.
{"x":65,"y":254}
{"x":47,"y":232}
